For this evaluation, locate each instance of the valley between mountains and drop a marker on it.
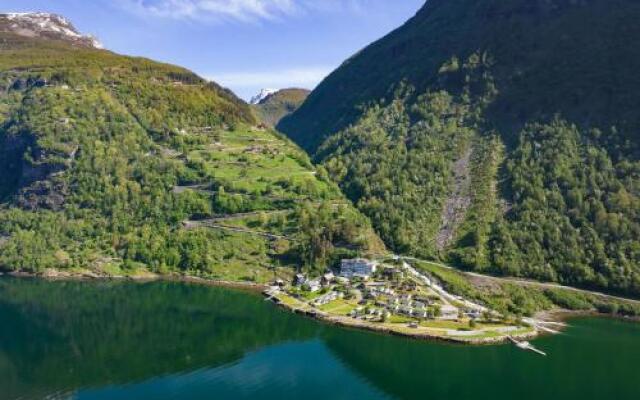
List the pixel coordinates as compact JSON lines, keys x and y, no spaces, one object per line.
{"x":465,"y":149}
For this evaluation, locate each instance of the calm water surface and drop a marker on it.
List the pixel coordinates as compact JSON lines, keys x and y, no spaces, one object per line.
{"x":72,"y":340}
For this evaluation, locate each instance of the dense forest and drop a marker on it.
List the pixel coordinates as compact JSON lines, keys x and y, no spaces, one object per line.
{"x":486,"y":142}
{"x":562,"y":205}
{"x":116,"y":165}
{"x":513,"y":154}
{"x":577,"y":58}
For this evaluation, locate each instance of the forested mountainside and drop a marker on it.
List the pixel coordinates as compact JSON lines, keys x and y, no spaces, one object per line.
{"x":115,"y":165}
{"x":498,"y":135}
{"x":280,"y":104}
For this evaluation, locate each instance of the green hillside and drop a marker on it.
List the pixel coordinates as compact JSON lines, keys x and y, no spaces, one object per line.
{"x":279,"y":105}
{"x":498,"y":135}
{"x":576,"y":58}
{"x":114,"y":165}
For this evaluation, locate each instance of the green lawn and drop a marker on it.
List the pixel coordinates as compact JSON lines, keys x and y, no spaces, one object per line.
{"x":400,"y":319}
{"x":338,"y":307}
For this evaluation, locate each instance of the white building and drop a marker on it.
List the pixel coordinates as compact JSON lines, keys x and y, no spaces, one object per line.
{"x":327,"y":298}
{"x":299,"y":280}
{"x":448,"y":312}
{"x":314,"y":285}
{"x":327,"y":279}
{"x":357,"y":267}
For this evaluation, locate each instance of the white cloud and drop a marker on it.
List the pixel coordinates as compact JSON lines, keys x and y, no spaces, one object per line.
{"x":305,"y":77}
{"x":236,"y":10}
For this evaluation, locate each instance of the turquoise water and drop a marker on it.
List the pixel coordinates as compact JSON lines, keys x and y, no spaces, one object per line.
{"x":72,"y":340}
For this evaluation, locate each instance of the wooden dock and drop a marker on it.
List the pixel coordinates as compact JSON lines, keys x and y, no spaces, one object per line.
{"x":526,"y":346}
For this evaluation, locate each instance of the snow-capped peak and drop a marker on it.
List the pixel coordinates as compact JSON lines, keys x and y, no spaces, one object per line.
{"x":45,"y":25}
{"x":264,"y":93}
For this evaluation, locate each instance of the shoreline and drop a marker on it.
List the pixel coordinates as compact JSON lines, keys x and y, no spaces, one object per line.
{"x":347,"y":322}
{"x":149,"y":277}
{"x":561,"y":316}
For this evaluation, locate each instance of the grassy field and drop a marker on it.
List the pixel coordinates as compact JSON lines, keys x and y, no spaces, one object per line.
{"x":339,"y":307}
{"x":254,"y":162}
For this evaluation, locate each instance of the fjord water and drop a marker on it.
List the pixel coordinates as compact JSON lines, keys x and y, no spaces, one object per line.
{"x":81,"y":340}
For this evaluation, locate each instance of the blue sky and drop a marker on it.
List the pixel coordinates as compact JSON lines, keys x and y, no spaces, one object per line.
{"x":245,"y":45}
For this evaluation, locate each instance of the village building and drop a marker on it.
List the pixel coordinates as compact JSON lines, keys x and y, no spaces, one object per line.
{"x":473,"y":314}
{"x":327,"y":298}
{"x":419,"y":304}
{"x":327,"y":279}
{"x":448,"y":312}
{"x":357,"y":268}
{"x":421,"y":313}
{"x":392,"y":273}
{"x":409,"y":285}
{"x":314,"y":285}
{"x":406,"y":310}
{"x":406,"y":298}
{"x":423,"y":299}
{"x":299,"y":280}
{"x":388,"y":292}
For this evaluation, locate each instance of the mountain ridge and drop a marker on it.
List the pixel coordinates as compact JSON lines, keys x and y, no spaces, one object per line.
{"x":540,"y":92}
{"x":279,"y":104}
{"x":46,"y":26}
{"x":442,"y":29}
{"x":262,"y":96}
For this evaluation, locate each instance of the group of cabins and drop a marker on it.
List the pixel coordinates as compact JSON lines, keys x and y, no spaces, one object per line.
{"x":374,"y":291}
{"x":349,"y":269}
{"x":327,"y":298}
{"x":368,"y":312}
{"x":314,"y":285}
{"x":420,"y":307}
{"x":387,"y":300}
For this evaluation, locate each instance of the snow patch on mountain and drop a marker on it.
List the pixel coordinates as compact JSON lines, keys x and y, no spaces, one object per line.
{"x":45,"y":25}
{"x":260,"y":97}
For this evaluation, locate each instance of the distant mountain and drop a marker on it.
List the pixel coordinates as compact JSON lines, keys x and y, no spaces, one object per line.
{"x":264,"y":93}
{"x":46,"y":26}
{"x":498,"y":135}
{"x":278,"y":104}
{"x":114,"y":165}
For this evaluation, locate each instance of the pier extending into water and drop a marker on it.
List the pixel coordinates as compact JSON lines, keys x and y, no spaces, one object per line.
{"x":524,"y":345}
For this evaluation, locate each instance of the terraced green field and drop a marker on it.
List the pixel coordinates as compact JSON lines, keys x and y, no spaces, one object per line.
{"x":119,"y":166}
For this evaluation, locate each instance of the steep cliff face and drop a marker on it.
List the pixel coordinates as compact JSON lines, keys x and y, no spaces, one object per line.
{"x":12,"y":149}
{"x":32,"y":172}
